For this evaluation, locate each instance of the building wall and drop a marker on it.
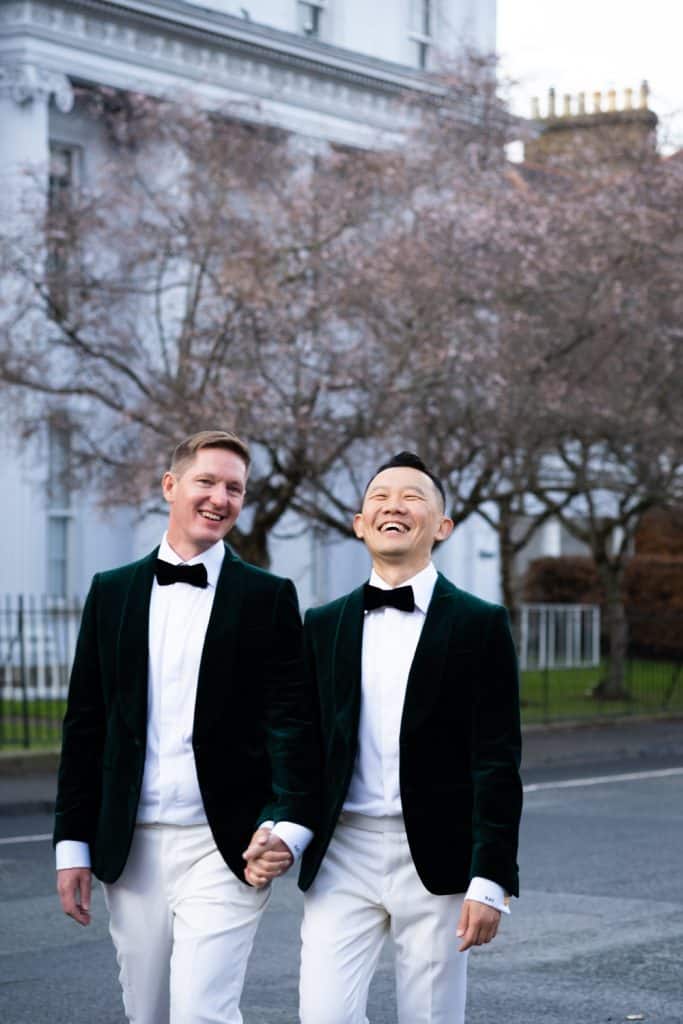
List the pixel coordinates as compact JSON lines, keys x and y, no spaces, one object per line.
{"x":385,"y":29}
{"x":345,"y":87}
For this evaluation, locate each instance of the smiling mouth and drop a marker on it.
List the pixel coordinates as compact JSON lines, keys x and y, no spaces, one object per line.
{"x":393,"y":527}
{"x":213,"y":517}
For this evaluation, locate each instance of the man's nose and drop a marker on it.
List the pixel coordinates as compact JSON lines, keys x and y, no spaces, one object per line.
{"x":219,"y":496}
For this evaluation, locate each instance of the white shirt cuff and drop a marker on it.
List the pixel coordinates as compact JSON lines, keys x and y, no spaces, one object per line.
{"x":71,"y":853}
{"x":483,"y":890}
{"x":295,"y":837}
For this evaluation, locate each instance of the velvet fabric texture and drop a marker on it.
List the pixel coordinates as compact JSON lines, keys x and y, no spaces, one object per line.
{"x":254,"y":738}
{"x":460,"y":742}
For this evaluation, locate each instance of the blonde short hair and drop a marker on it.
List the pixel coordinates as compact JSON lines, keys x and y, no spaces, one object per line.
{"x":185,"y":452}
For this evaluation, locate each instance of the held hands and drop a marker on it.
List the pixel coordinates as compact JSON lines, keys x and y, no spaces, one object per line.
{"x":477,"y":925}
{"x":267,"y":856}
{"x":74,"y":886}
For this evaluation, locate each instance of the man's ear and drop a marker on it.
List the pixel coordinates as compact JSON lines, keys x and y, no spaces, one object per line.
{"x":168,"y":485}
{"x":358,"y":525}
{"x":445,"y":529}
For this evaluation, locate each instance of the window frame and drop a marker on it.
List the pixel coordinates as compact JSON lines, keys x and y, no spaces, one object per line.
{"x":424,"y":16}
{"x":314,"y":9}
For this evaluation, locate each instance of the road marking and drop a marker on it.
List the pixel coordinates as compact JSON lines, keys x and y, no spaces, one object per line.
{"x":598,"y":780}
{"x":534,"y":787}
{"x":25,"y":839}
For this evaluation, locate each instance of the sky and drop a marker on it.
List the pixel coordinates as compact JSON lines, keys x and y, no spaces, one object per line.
{"x":588,"y":45}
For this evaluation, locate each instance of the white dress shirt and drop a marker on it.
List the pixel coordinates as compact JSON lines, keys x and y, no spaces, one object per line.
{"x":178,"y":620}
{"x":390,"y":638}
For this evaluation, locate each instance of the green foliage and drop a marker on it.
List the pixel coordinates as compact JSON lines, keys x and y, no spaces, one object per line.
{"x":566,"y":694}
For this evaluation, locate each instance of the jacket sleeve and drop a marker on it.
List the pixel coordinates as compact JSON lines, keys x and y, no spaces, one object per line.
{"x":292,"y":734}
{"x":496,"y":753}
{"x":80,"y":768}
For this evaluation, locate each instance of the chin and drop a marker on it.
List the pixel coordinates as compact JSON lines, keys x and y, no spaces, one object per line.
{"x":394,"y":549}
{"x":208,"y":537}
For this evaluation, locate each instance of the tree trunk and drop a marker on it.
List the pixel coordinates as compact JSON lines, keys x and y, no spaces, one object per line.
{"x":612,"y":686}
{"x":507,"y":557}
{"x":252,"y":546}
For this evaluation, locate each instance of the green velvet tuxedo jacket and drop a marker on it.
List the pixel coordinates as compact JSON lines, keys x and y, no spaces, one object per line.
{"x":459,"y":740}
{"x":253,"y":737}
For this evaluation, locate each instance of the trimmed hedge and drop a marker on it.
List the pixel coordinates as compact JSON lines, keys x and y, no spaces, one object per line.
{"x":653,"y":596}
{"x":660,"y":532}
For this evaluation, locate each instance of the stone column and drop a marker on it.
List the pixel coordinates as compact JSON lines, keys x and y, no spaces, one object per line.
{"x":25,"y":93}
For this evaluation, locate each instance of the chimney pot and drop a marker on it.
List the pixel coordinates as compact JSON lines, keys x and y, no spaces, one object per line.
{"x":644,"y":95}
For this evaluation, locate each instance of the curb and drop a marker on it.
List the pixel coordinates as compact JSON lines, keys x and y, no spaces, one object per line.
{"x":20,"y":809}
{"x":17,"y":763}
{"x":19,"y":767}
{"x":35,"y":773}
{"x":599,"y":722}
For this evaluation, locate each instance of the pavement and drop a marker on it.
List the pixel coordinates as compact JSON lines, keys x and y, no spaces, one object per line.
{"x":28,"y":779}
{"x":597,"y":936}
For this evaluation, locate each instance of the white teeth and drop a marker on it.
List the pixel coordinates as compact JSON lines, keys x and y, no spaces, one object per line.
{"x":398,"y":527}
{"x":212,"y":516}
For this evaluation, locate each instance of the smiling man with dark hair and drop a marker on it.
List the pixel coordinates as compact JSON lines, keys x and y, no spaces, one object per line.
{"x":418,"y":691}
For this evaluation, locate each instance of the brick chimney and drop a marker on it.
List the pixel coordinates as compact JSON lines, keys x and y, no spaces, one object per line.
{"x":606,"y":134}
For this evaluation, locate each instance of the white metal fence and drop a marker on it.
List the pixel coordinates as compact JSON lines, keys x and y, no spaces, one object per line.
{"x":559,"y":636}
{"x":38,"y":638}
{"x":37,"y":642}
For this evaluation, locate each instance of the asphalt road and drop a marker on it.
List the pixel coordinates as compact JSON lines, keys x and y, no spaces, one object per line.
{"x":597,"y":936}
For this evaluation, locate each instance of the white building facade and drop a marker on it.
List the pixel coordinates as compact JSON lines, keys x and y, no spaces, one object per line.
{"x":329,"y":70}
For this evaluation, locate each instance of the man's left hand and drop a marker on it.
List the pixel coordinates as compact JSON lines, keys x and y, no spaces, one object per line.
{"x":477,"y":925}
{"x":267,"y":857}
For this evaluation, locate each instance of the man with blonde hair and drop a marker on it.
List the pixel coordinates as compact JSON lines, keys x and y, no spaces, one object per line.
{"x":188,"y":761}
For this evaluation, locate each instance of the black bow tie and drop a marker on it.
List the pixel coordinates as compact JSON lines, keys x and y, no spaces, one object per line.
{"x":401,"y":598}
{"x":193,"y":574}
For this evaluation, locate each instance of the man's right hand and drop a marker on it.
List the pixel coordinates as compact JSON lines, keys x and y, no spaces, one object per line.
{"x":74,"y":886}
{"x":267,"y":857}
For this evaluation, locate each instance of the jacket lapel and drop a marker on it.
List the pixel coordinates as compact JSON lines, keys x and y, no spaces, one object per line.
{"x":133,"y":647}
{"x":429,"y":661}
{"x":347,"y":664}
{"x":219,"y":643}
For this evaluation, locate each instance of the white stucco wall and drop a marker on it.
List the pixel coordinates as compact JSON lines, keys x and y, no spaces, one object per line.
{"x":316,"y":90}
{"x":381,"y":28}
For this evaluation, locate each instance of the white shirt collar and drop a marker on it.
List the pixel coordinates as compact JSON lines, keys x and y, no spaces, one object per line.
{"x":212,"y":558}
{"x":422,"y":584}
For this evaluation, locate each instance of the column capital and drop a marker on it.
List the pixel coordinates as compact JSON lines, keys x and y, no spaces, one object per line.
{"x":25,"y":83}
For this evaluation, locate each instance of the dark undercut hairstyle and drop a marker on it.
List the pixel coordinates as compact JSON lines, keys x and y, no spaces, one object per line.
{"x":411,"y":461}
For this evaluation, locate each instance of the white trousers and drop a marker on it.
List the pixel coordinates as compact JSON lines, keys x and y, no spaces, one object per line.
{"x":367,"y":887}
{"x":183,"y":927}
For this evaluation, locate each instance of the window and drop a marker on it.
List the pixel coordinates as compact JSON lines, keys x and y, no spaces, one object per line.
{"x":423,"y":30}
{"x":58,"y":555}
{"x":62,"y":180}
{"x":62,"y":176}
{"x":59,"y":512}
{"x":311,"y":16}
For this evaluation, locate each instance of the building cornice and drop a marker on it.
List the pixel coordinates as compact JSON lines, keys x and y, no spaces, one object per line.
{"x":171,"y":47}
{"x":278,"y":46}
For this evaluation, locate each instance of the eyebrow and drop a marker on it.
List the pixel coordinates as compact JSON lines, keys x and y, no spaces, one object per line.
{"x":380,"y":487}
{"x":213,"y":476}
